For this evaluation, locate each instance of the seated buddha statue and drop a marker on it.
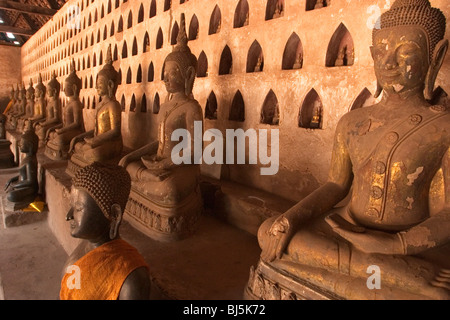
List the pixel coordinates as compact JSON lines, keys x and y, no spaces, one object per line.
{"x":40,"y":103}
{"x":24,"y":187}
{"x":165,"y":202}
{"x":10,"y":107}
{"x":52,"y":110}
{"x":104,"y":142}
{"x":59,"y":137}
{"x":29,"y":108}
{"x":19,"y":107}
{"x":103,"y":266}
{"x":385,"y":158}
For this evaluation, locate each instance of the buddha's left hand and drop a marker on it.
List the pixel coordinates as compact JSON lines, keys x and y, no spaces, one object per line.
{"x":365,"y":240}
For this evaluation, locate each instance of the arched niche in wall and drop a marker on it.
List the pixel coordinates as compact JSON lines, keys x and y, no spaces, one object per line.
{"x":141,"y":13}
{"x":95,"y":16}
{"x":226,"y":61}
{"x":92,"y":39}
{"x":211,"y":107}
{"x":133,"y":104}
{"x":241,"y":14}
{"x":159,"y":39}
{"x":86,"y":42}
{"x":194,"y":28}
{"x":105,"y":33}
{"x":175,"y":30}
{"x":89,"y":20}
{"x":156,"y":104}
{"x":98,"y":36}
{"x":94,"y":60}
{"x":120,"y":77}
{"x":202,"y":66}
{"x":151,"y":73}
{"x":364,"y":99}
{"x":117,"y":4}
{"x":237,"y":110}
{"x":115,"y":53}
{"x":270,"y":112}
{"x":130,"y":20}
{"x":129,"y":76}
{"x":88,"y":62}
{"x":94,"y":104}
{"x":152,"y":9}
{"x":143,"y":106}
{"x":146,"y":43}
{"x":167,"y":4}
{"x":111,"y":31}
{"x":293,"y":53}
{"x":215,"y":22}
{"x":311,"y":112}
{"x":341,"y":50}
{"x":255,"y":58}
{"x":317,"y":4}
{"x":88,"y":105}
{"x":139,"y":75}
{"x":120,"y":25}
{"x":123,"y":103}
{"x":134,"y":50}
{"x":100,"y":58}
{"x":102,"y":11}
{"x":274,"y":9}
{"x":124,"y":50}
{"x":108,"y":8}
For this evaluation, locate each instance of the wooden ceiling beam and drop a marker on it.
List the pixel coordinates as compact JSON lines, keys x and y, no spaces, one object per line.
{"x":26,"y":8}
{"x":17,"y":31}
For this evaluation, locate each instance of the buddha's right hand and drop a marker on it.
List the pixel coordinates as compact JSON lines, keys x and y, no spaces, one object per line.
{"x":278,"y":237}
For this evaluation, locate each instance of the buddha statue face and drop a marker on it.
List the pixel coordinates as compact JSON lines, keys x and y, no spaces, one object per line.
{"x":173,"y":78}
{"x":105,"y":86}
{"x":86,"y":219}
{"x":70,"y":89}
{"x":51,"y":92}
{"x":401,"y":58}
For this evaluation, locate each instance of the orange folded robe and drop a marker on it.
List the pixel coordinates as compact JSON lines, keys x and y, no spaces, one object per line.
{"x":102,"y":272}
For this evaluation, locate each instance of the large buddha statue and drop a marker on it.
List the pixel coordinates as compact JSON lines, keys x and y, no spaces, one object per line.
{"x":104,"y":142}
{"x":6,"y":156}
{"x":29,"y":108}
{"x":40,"y":103}
{"x":165,"y":202}
{"x":103,"y":266}
{"x":59,"y":137}
{"x":52,"y":110}
{"x":388,"y":242}
{"x":24,"y":187}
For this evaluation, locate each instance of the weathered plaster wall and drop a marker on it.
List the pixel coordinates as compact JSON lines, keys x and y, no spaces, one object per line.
{"x":304,"y":153}
{"x":10,"y":72}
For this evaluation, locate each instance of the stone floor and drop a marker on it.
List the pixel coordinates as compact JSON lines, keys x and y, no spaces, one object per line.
{"x":211,"y":265}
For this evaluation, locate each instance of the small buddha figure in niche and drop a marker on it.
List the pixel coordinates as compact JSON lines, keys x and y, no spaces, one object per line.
{"x":104,"y":142}
{"x":171,"y":190}
{"x":341,"y":57}
{"x":40,"y":104}
{"x":350,"y":54}
{"x":259,"y":63}
{"x":25,"y":187}
{"x":219,"y":26}
{"x":247,"y":19}
{"x":110,"y":268}
{"x":388,"y":155}
{"x":52,"y":112}
{"x":316,"y":120}
{"x":59,"y":137}
{"x":29,"y":107}
{"x":279,"y":9}
{"x":320,"y":4}
{"x":298,"y":64}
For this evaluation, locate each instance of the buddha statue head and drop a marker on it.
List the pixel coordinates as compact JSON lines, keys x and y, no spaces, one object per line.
{"x":23,"y":92}
{"x":12,"y":94}
{"x":180,"y":66}
{"x":30,"y":91}
{"x":53,"y":86}
{"x":40,"y":88}
{"x":99,"y":195}
{"x":108,"y":78}
{"x":408,"y":47}
{"x":17,"y":92}
{"x":72,"y":84}
{"x":29,"y":141}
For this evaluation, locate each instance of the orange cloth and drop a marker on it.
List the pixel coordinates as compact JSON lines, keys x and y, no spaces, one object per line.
{"x":102,"y":272}
{"x":10,"y":104}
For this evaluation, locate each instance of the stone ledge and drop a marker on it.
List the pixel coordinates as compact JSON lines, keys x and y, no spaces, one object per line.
{"x":15,"y":214}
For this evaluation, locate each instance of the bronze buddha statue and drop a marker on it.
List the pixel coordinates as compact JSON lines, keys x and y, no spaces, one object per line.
{"x":29,"y":108}
{"x":104,"y":142}
{"x":386,"y":158}
{"x":165,"y":201}
{"x":109,"y":268}
{"x":19,"y":107}
{"x":10,"y":107}
{"x":25,"y":187}
{"x":52,"y":110}
{"x":59,"y":137}
{"x":40,"y":103}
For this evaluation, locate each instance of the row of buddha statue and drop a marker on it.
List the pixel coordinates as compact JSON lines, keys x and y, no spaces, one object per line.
{"x":375,"y":209}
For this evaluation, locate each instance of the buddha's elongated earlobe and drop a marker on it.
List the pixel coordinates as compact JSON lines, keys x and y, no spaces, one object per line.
{"x":435,"y":66}
{"x":116,"y":213}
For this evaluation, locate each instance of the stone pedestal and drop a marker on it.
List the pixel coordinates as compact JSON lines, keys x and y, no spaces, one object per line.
{"x":18,"y":214}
